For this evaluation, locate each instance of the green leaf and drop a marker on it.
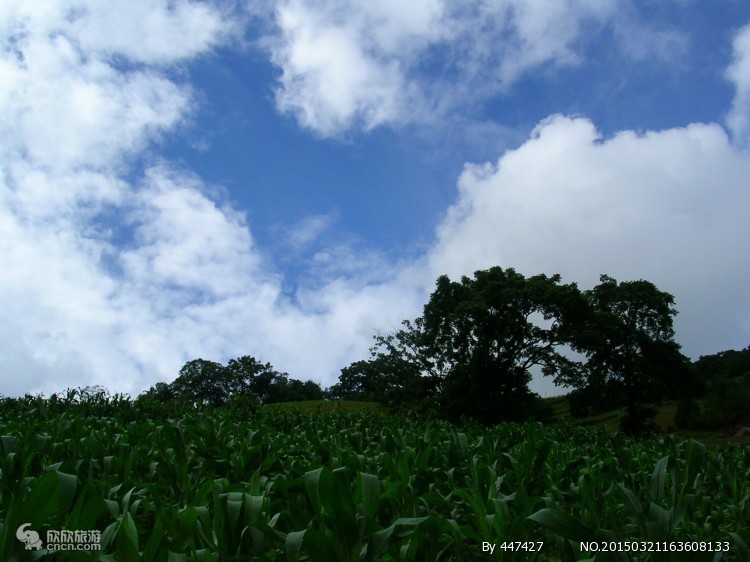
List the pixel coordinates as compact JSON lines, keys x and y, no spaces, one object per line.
{"x":370,"y":490}
{"x":740,"y":546}
{"x":9,"y":444}
{"x":127,"y":540}
{"x":658,"y":525}
{"x":319,"y":547}
{"x":381,"y":541}
{"x":172,"y":557}
{"x":632,"y":501}
{"x":293,"y":545}
{"x":563,"y":525}
{"x":154,"y":542}
{"x":312,"y":484}
{"x":695,"y":455}
{"x":658,"y":479}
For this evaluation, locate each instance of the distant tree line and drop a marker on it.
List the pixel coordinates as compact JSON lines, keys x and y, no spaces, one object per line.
{"x":242,"y":380}
{"x":724,"y":399}
{"x":472,"y":354}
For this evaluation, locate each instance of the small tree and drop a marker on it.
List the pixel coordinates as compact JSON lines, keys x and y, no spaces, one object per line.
{"x":363,"y":380}
{"x":201,"y":381}
{"x":248,"y":375}
{"x":628,"y":340}
{"x":387,"y":378}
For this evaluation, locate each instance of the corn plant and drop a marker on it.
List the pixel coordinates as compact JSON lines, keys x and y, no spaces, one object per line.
{"x":202,"y":484}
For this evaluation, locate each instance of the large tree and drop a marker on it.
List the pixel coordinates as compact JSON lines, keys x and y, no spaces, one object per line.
{"x":479,"y":338}
{"x":628,"y":340}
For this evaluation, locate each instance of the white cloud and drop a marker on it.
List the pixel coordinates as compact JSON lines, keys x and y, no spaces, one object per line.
{"x":364,"y":64}
{"x":536,"y":33}
{"x":739,"y":74}
{"x":61,"y":103}
{"x":77,"y":101}
{"x":308,"y":231}
{"x":184,"y":240}
{"x":114,"y":275}
{"x":329,"y":78}
{"x":151,"y":31}
{"x":667,"y":206}
{"x":140,"y":31}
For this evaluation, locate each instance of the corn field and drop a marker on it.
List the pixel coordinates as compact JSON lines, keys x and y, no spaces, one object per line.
{"x":231,"y":485}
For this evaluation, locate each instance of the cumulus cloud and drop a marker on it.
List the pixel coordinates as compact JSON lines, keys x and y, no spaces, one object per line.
{"x":82,"y":92}
{"x":114,"y":273}
{"x":365,"y":64}
{"x":329,"y":77}
{"x":738,"y":73}
{"x":668,"y":206}
{"x":140,"y":31}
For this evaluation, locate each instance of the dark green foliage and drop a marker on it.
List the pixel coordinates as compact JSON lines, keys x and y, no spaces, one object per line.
{"x":362,"y":380}
{"x":486,"y":333}
{"x":628,"y":340}
{"x":286,"y":389}
{"x":208,"y":484}
{"x":211,"y":383}
{"x":471,"y":353}
{"x":725,"y":397}
{"x":728,"y":364}
{"x":389,"y":379}
{"x":203,"y":382}
{"x":595,"y":398}
{"x":472,"y":350}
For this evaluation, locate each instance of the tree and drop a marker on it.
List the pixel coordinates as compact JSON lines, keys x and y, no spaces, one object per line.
{"x":362,"y":380}
{"x":725,"y":390}
{"x":201,"y":381}
{"x":248,"y":375}
{"x":160,"y":393}
{"x":387,"y":378}
{"x":207,"y":382}
{"x":285,"y":389}
{"x":490,"y":331}
{"x":479,"y":338}
{"x":628,"y":340}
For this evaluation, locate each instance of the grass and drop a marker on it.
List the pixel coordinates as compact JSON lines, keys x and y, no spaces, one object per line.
{"x":560,"y":407}
{"x":664,"y":420}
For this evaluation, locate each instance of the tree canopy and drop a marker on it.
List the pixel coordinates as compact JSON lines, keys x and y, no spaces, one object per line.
{"x":208,"y":382}
{"x":473,"y":350}
{"x":486,"y":333}
{"x":628,"y":341}
{"x":725,"y":393}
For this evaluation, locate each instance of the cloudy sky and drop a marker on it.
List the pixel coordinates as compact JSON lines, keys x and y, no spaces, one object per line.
{"x":184,"y":179}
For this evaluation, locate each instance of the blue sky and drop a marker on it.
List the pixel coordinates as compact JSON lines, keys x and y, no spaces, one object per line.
{"x":283,"y":179}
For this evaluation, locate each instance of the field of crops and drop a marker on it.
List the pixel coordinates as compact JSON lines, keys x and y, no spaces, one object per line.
{"x":344,"y":486}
